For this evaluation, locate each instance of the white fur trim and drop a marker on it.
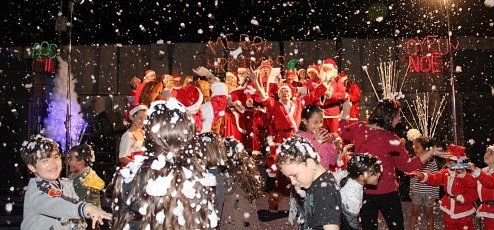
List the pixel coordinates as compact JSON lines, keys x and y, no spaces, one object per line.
{"x":271,"y":173}
{"x":310,"y":69}
{"x":270,"y":140}
{"x":207,"y":112}
{"x":476,"y":173}
{"x":137,"y":109}
{"x":150,"y":72}
{"x":452,"y":214}
{"x":485,"y":215}
{"x":460,"y":198}
{"x":328,"y":65}
{"x":237,"y":121}
{"x":219,"y":88}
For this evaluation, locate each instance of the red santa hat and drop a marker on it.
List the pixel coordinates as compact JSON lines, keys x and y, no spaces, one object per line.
{"x":289,"y":87}
{"x":149,"y":72}
{"x":191,"y":97}
{"x":458,"y":152}
{"x":313,"y":68}
{"x":136,"y":109}
{"x":329,"y":62}
{"x":177,"y":77}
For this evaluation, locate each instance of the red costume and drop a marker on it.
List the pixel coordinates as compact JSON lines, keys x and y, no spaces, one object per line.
{"x":485,"y":190}
{"x":354,"y":94}
{"x":191,"y":97}
{"x":238,"y":119}
{"x":460,"y":188}
{"x":213,"y":111}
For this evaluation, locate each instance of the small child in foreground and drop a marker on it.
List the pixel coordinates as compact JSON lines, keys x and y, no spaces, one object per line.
{"x":50,"y":202}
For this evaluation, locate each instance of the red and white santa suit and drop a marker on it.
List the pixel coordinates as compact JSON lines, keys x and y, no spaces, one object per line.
{"x":130,"y":144}
{"x":237,"y":116}
{"x":261,"y":118}
{"x":150,"y":75}
{"x":354,"y":94}
{"x":191,"y":97}
{"x":331,"y":103}
{"x":460,"y":188}
{"x":176,"y":78}
{"x":312,"y":83}
{"x":485,"y":190}
{"x":214,"y":109}
{"x":288,"y":117}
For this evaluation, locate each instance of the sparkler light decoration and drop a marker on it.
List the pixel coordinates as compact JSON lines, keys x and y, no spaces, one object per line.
{"x":389,"y":79}
{"x":425,"y":115}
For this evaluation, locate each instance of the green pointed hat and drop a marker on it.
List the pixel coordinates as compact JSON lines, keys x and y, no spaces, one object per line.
{"x":292,"y":64}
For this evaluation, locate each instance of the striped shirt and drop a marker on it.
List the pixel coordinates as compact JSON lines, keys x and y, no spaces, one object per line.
{"x":419,"y":187}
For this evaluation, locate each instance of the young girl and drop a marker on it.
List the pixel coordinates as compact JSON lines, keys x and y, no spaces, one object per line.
{"x":167,"y":187}
{"x":243,"y":186}
{"x":299,"y":161}
{"x":485,"y":188}
{"x":422,"y":194}
{"x":133,"y":138}
{"x":361,"y":169}
{"x":322,"y":140}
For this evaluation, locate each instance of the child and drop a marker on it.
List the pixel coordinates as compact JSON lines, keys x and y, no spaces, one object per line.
{"x":299,"y":161}
{"x":50,"y":202}
{"x":361,"y":169}
{"x":214,"y":155}
{"x":423,"y":195}
{"x":87,"y":184}
{"x":243,"y":186}
{"x":168,"y":186}
{"x":312,"y":130}
{"x":460,"y":186}
{"x":485,"y":188}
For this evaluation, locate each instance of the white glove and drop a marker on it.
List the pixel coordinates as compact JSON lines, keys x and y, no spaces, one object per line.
{"x":202,"y":71}
{"x":460,"y":198}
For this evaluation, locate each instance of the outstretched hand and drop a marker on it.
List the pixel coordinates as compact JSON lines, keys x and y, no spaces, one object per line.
{"x":97,"y":214}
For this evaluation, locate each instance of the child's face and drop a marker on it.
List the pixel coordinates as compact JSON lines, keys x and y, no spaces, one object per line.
{"x":48,"y":168}
{"x":301,"y":174}
{"x":314,"y":123}
{"x":373,"y":179}
{"x":417,"y":148}
{"x":74,"y":164}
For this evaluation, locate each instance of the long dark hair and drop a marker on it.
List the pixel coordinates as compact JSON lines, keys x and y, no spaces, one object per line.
{"x":171,"y":188}
{"x":307,"y":113}
{"x":360,"y":164}
{"x":384,"y":113}
{"x":242,"y":171}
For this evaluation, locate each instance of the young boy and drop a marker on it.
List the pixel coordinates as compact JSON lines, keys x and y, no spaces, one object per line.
{"x":457,"y":203}
{"x":87,"y":184}
{"x":50,"y":202}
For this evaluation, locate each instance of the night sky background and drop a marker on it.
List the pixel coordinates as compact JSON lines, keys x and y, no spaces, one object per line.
{"x":145,"y":22}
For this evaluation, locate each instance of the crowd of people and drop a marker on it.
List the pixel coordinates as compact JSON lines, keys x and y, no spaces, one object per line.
{"x":201,"y":150}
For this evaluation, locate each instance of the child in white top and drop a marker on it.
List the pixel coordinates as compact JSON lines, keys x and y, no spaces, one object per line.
{"x":362,"y":169}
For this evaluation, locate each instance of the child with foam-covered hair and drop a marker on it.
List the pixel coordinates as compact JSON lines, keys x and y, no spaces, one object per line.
{"x":50,"y":201}
{"x":298,"y":161}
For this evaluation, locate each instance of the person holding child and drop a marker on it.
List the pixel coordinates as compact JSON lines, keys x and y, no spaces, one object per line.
{"x":50,"y":201}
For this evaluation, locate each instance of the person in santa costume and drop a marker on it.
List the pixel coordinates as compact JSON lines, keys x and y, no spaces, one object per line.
{"x":460,"y":188}
{"x":213,"y":111}
{"x":485,"y":188}
{"x":260,"y":118}
{"x":133,"y":139}
{"x":314,"y":80}
{"x":331,"y":100}
{"x":354,"y":94}
{"x":134,"y":82}
{"x":191,"y":97}
{"x":149,"y":76}
{"x":287,"y":113}
{"x":291,"y":76}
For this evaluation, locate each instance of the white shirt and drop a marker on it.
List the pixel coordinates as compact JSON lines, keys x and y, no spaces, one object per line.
{"x":129,"y":144}
{"x":352,"y":194}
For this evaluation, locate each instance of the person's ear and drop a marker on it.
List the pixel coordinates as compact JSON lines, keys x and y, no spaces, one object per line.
{"x":304,"y":121}
{"x":31,"y":168}
{"x":311,"y":163}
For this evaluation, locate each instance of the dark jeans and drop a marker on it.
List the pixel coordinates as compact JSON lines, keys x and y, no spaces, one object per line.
{"x":388,"y":204}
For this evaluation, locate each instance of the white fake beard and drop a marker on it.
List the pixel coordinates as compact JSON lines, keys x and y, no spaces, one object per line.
{"x":327,"y":76}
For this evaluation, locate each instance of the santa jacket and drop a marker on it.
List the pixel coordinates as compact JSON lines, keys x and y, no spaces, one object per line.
{"x":485,"y":190}
{"x":454,"y":185}
{"x":287,"y":122}
{"x":331,"y":104}
{"x":354,"y":94}
{"x":214,"y":109}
